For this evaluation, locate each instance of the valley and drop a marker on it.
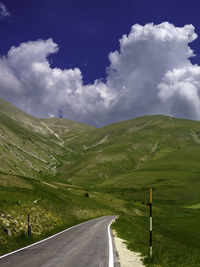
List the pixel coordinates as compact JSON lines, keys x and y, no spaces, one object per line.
{"x":64,"y":172}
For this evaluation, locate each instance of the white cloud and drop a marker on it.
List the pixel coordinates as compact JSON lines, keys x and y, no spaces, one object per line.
{"x":4,"y":13}
{"x":145,"y":56}
{"x":151,"y":73}
{"x":180,"y":92}
{"x":43,"y":91}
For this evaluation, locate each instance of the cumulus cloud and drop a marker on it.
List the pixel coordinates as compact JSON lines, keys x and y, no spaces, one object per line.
{"x":180,"y":92}
{"x":150,"y":74}
{"x":27,"y":79}
{"x":4,"y":13}
{"x":145,"y":56}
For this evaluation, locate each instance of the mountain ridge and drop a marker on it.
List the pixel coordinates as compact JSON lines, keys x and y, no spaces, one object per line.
{"x":65,"y":174}
{"x":48,"y":143}
{"x":34,"y":143}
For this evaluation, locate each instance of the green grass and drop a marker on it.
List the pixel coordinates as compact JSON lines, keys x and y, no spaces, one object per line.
{"x":176,"y":241}
{"x":51,"y":209}
{"x":116,"y":165}
{"x":154,"y":151}
{"x":195,"y":206}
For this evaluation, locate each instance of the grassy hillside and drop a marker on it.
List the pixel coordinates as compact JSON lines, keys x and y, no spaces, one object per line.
{"x":151,"y":150}
{"x":126,"y":159}
{"x":48,"y":165}
{"x":33,"y":147}
{"x":52,"y":207}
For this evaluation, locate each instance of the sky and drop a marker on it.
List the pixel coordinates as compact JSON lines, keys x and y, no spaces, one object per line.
{"x":100,"y":62}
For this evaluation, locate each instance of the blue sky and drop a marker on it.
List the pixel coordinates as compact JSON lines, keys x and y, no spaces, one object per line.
{"x":83,"y":34}
{"x":86,"y":31}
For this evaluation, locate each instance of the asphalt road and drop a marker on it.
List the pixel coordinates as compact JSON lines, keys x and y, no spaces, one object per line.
{"x":86,"y":245}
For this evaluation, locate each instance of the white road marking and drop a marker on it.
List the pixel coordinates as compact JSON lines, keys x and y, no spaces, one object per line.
{"x":15,"y":251}
{"x":111,"y":262}
{"x":111,"y":258}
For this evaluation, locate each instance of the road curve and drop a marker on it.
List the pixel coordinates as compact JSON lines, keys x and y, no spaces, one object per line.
{"x":85,"y":245}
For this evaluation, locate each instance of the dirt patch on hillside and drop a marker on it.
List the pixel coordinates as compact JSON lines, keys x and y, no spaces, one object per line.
{"x":138,"y":212}
{"x":50,"y":185}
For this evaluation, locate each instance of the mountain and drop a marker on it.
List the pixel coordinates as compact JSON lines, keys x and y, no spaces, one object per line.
{"x":64,"y":172}
{"x":160,"y":151}
{"x":31,"y":146}
{"x":31,"y":150}
{"x":148,"y":149}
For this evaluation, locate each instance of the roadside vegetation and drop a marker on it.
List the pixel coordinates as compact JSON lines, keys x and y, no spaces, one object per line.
{"x":52,"y":208}
{"x":63,"y":173}
{"x":176,"y":239}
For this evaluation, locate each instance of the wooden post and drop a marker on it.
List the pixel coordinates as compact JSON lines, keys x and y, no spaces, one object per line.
{"x":150,"y":205}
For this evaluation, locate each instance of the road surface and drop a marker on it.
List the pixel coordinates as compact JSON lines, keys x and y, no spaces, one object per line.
{"x":85,"y":245}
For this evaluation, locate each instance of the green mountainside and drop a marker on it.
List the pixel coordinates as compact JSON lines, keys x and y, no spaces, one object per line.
{"x":151,"y":151}
{"x":64,"y":172}
{"x":31,"y":146}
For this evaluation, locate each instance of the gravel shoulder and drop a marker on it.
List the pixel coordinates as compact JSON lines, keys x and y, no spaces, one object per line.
{"x":126,"y":258}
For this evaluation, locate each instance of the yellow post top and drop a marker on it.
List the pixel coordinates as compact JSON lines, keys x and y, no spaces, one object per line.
{"x":150,"y":195}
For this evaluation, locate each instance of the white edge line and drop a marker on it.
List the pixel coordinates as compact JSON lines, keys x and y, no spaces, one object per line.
{"x":15,"y":251}
{"x":111,"y":258}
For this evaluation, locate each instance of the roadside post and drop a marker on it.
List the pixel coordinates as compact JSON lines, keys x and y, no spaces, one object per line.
{"x":150,"y":205}
{"x":29,"y":227}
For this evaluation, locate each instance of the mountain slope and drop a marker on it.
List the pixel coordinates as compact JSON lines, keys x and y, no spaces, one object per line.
{"x":137,"y":153}
{"x":30,"y":146}
{"x":102,"y":171}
